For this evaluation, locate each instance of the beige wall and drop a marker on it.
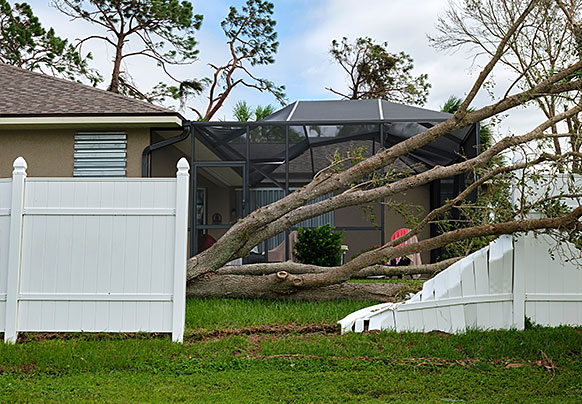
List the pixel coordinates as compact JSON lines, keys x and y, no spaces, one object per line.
{"x":164,"y":160}
{"x":356,"y":240}
{"x":393,"y":221}
{"x":137,"y":140}
{"x":49,"y":152}
{"x":362,"y":239}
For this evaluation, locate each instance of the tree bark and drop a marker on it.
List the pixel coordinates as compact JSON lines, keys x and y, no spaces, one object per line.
{"x":298,"y":269}
{"x":267,"y":287}
{"x":114,"y":85}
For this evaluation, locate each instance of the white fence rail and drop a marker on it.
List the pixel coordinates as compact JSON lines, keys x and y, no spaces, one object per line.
{"x":496,"y":287}
{"x":93,"y":254}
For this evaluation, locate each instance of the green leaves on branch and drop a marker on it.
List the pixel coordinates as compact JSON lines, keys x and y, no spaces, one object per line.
{"x":161,"y":30}
{"x":25,"y":43}
{"x":252,"y":40}
{"x":243,"y":112}
{"x":373,"y":72}
{"x":252,"y":32}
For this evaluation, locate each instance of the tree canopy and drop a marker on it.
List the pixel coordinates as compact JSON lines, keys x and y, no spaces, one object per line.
{"x":25,"y":43}
{"x":373,"y":72}
{"x":161,"y":30}
{"x":251,"y":41}
{"x":548,"y":41}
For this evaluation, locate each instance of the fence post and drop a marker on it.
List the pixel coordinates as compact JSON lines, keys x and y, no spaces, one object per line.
{"x":179,"y":300}
{"x":14,"y":250}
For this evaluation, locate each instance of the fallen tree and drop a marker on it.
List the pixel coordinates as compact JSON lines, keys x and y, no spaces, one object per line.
{"x":207,"y":276}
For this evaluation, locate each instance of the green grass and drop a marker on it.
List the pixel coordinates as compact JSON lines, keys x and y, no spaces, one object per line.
{"x":221,"y":313}
{"x":220,"y":363}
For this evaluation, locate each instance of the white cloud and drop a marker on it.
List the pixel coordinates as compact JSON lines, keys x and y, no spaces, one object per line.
{"x":306,"y":29}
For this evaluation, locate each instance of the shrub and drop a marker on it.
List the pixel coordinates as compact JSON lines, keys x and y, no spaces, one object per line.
{"x":319,"y":246}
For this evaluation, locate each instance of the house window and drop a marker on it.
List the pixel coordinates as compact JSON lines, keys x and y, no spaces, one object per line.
{"x":100,"y":154}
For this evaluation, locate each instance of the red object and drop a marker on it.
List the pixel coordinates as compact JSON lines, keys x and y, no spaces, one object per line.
{"x":399,"y":233}
{"x":206,"y":241}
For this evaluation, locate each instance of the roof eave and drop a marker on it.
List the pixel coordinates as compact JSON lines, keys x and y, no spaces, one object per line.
{"x":91,"y":121}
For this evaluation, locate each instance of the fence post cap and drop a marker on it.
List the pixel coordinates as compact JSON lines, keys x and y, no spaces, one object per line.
{"x":183,"y":166}
{"x":19,"y":165}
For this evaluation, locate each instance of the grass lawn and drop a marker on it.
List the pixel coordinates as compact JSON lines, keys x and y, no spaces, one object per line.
{"x":277,"y":352}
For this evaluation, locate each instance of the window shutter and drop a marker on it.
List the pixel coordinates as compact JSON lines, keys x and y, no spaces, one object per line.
{"x":100,"y":154}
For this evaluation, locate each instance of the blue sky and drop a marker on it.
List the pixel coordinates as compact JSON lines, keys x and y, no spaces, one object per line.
{"x":306,"y":29}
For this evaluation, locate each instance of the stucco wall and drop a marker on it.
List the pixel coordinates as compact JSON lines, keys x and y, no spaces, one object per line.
{"x":163,"y":161}
{"x":362,"y":239}
{"x":137,"y":140}
{"x":356,"y":240}
{"x":419,"y":196}
{"x":49,"y":152}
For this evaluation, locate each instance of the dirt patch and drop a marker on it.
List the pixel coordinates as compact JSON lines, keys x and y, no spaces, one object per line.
{"x":262,"y":330}
{"x":25,"y":337}
{"x":439,"y":332}
{"x":272,"y":330}
{"x":24,"y":368}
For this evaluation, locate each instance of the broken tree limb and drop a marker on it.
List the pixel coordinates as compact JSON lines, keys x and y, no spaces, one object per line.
{"x":426,"y":269}
{"x":299,"y":269}
{"x":234,"y":242}
{"x":265,"y":287}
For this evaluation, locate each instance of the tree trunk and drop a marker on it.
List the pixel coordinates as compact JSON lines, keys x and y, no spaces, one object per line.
{"x":298,"y":269}
{"x":114,"y":85}
{"x":266,"y":287}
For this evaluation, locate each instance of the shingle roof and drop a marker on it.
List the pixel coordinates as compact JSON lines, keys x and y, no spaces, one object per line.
{"x":25,"y":93}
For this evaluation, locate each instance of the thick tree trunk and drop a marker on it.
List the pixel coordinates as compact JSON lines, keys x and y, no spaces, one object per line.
{"x":268,"y":287}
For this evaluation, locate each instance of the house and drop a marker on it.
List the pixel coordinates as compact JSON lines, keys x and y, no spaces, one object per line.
{"x":63,"y":128}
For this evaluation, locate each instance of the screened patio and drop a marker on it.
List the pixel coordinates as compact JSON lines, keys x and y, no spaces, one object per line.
{"x":238,"y":167}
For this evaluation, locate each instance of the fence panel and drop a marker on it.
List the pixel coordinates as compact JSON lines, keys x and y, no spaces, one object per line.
{"x":5,"y":200}
{"x":102,"y":254}
{"x":552,"y":281}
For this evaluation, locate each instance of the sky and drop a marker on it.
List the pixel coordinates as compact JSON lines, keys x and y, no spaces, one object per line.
{"x":303,"y":64}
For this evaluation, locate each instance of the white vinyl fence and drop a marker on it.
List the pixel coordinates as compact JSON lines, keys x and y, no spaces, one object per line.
{"x":496,"y":287}
{"x":93,"y":254}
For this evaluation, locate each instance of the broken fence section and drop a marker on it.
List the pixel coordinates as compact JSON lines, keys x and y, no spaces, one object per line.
{"x":496,"y":287}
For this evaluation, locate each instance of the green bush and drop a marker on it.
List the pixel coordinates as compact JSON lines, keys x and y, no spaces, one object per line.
{"x":319,"y":246}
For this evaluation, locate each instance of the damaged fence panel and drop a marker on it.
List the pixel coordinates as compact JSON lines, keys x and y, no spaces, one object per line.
{"x":494,"y":288}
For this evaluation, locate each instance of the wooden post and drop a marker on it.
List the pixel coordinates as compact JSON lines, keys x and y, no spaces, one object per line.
{"x":14,"y":250}
{"x":179,"y":299}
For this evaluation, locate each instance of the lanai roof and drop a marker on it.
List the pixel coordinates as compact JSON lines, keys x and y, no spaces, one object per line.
{"x":360,"y":111}
{"x":317,"y":128}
